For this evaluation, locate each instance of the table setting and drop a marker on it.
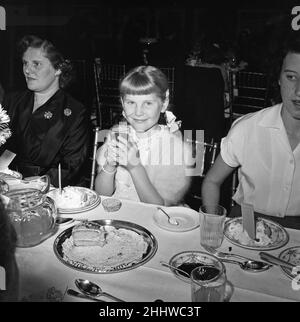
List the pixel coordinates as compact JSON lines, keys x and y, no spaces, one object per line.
{"x":49,"y":270}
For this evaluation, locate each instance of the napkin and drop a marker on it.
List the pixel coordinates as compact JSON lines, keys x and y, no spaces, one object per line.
{"x":248,"y":220}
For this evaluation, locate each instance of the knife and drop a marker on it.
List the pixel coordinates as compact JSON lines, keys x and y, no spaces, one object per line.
{"x":80,"y":295}
{"x":277,"y":261}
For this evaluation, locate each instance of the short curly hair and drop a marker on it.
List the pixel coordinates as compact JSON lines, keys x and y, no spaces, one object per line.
{"x":52,"y":53}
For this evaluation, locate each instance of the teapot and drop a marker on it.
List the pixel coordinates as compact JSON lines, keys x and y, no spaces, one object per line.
{"x":32,"y":212}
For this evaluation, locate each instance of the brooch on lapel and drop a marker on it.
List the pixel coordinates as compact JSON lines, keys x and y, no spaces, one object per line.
{"x":67,"y":112}
{"x":48,"y":115}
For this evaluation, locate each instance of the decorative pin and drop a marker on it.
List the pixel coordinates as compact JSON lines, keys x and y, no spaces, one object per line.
{"x":48,"y":115}
{"x":67,"y":112}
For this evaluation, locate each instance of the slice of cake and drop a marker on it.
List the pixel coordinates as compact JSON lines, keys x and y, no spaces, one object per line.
{"x":71,"y":197}
{"x":88,"y":234}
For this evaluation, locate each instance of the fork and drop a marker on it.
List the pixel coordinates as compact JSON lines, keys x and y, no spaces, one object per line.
{"x":223,"y":254}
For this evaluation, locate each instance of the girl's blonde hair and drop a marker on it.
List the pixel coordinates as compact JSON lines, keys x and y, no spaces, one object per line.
{"x":143,"y":80}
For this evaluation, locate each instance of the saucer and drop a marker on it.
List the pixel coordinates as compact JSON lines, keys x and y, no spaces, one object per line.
{"x":187,"y":218}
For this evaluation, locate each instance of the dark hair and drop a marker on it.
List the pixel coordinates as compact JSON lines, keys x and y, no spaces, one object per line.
{"x":143,"y":80}
{"x":291,"y":44}
{"x":55,"y":57}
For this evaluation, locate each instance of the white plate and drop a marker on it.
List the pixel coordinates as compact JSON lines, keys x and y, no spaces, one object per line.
{"x":93,"y":200}
{"x":291,"y":255}
{"x":187,"y":218}
{"x":278,"y":235}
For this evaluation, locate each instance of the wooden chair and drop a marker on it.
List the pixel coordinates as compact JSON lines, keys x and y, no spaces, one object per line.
{"x":99,"y":138}
{"x":170,"y":73}
{"x":248,"y":92}
{"x":107,"y":77}
{"x":205,"y":155}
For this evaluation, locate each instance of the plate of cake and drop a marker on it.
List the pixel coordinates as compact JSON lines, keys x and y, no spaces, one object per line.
{"x":292,"y":256}
{"x":269,"y":234}
{"x":74,"y":199}
{"x":105,"y":246}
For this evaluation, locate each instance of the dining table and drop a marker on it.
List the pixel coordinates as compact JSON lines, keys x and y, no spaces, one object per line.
{"x":43,"y":277}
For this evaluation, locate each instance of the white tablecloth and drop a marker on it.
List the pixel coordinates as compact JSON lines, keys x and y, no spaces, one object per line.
{"x":41,"y":271}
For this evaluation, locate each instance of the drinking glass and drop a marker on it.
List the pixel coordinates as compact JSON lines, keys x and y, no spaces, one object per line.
{"x":212,"y":225}
{"x":209,"y":283}
{"x":121,"y":130}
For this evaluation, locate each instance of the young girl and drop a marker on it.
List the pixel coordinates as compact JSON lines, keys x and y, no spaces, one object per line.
{"x":150,"y":164}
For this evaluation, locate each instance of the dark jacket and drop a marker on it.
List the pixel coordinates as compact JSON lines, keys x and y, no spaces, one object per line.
{"x":57,"y":132}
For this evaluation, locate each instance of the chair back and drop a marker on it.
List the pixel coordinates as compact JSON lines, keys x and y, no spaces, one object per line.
{"x":248,"y":92}
{"x":204,"y":154}
{"x":170,"y":73}
{"x":99,"y":137}
{"x":107,"y":77}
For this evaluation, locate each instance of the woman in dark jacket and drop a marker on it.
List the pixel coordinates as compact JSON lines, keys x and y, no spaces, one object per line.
{"x":48,"y":125}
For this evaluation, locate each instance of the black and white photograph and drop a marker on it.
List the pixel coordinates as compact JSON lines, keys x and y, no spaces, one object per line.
{"x":149,"y":155}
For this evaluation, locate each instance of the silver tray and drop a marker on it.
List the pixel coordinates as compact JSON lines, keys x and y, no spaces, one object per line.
{"x":277,"y":230}
{"x":147,"y":236}
{"x":93,"y":201}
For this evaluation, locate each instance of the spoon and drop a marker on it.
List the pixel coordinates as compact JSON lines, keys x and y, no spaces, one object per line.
{"x":225,"y":255}
{"x":250,"y":265}
{"x":92,"y":289}
{"x":171,"y":220}
{"x":175,"y":268}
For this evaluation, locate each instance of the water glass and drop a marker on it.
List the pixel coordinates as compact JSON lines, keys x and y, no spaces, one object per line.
{"x":121,"y":130}
{"x":209,"y":283}
{"x":212,"y":225}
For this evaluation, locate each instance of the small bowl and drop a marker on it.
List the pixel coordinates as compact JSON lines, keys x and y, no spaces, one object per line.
{"x":189,"y":260}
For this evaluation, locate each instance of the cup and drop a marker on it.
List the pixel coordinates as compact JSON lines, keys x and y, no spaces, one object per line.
{"x":209,"y":283}
{"x":212,"y":225}
{"x":121,"y":130}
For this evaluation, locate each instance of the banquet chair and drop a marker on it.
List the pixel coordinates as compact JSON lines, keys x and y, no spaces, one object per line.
{"x":170,"y":73}
{"x":107,"y":77}
{"x":99,"y":138}
{"x":204,"y":154}
{"x":248,"y":92}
